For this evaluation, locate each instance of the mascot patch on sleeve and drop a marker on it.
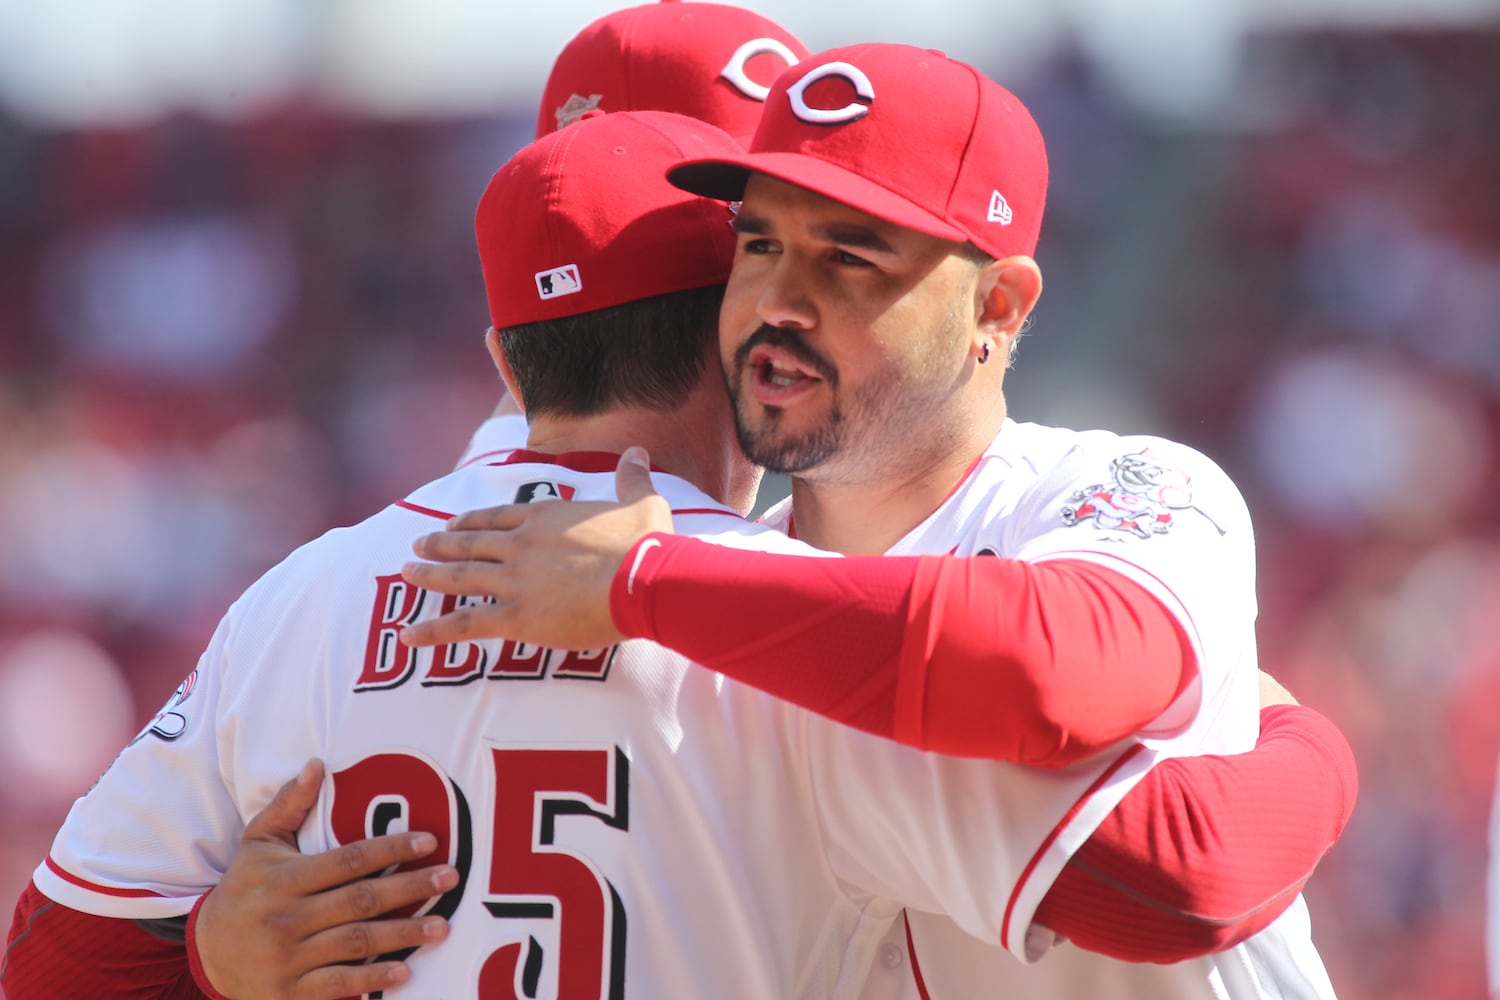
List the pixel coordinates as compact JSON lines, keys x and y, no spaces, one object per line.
{"x":1140,"y":499}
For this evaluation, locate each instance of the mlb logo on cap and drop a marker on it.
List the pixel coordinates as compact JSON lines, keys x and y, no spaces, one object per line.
{"x":558,"y":281}
{"x":595,"y":195}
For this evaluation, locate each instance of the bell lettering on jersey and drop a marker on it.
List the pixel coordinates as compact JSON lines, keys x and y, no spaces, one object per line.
{"x":389,"y":664}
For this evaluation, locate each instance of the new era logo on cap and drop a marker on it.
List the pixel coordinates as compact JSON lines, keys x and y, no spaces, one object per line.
{"x":999,"y":209}
{"x":558,"y":281}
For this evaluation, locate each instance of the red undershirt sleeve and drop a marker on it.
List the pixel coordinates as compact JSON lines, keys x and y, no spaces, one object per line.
{"x":57,"y":953}
{"x":1038,"y":663}
{"x":1206,"y":851}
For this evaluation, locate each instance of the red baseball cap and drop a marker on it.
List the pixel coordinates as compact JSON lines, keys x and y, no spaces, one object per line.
{"x":708,"y":61}
{"x":584,"y":218}
{"x":907,"y":135}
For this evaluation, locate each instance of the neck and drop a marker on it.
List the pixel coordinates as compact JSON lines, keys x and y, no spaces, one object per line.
{"x":682,"y":442}
{"x":867,"y":517}
{"x":886,"y":511}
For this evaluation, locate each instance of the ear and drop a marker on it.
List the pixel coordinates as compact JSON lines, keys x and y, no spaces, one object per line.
{"x":1007,"y":292}
{"x":502,"y":364}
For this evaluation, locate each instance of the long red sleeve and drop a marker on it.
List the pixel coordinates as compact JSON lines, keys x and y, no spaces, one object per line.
{"x":55,"y":953}
{"x":1039,"y":663}
{"x":1206,"y":851}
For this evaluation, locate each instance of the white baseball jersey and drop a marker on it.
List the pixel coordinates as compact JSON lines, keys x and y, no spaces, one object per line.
{"x":1168,"y":518}
{"x":1492,"y":899}
{"x":1171,"y":520}
{"x":626,"y":824}
{"x":494,"y":440}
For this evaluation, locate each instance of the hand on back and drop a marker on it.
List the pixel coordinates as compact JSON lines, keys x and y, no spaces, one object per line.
{"x":280,"y":924}
{"x":545,"y":568}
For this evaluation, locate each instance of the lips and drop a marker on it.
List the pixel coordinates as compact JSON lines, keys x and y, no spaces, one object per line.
{"x":777,"y":378}
{"x":782,"y":366}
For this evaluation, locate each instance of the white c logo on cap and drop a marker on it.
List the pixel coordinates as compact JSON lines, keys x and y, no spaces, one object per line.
{"x":836,"y":116}
{"x":734,"y":69}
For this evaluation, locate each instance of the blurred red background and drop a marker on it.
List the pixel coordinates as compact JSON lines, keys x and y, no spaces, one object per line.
{"x":221,"y":336}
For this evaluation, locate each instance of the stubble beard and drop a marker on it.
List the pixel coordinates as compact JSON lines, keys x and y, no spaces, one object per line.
{"x":768,"y":446}
{"x":862,"y":434}
{"x":845,"y":445}
{"x":760,"y":429}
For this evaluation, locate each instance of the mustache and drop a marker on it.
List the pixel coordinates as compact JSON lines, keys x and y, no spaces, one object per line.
{"x":790,"y":342}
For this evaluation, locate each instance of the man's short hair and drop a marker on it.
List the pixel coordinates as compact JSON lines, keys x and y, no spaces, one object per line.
{"x":649,"y":353}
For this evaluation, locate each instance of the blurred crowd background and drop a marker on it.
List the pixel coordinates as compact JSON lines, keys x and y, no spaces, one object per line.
{"x":236,"y":318}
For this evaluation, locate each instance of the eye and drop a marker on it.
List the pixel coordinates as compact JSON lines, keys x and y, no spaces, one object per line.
{"x":850,"y":260}
{"x":757,"y":246}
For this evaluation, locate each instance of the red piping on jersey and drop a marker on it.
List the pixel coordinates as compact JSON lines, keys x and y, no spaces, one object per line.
{"x":911,"y":953}
{"x":484,"y":455}
{"x":578,"y":461}
{"x":442,"y":516}
{"x":94,"y":887}
{"x":423,"y":510}
{"x":961,"y":480}
{"x":1057,"y":830}
{"x":709,"y":510}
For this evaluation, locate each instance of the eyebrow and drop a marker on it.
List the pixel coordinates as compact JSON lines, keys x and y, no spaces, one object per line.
{"x":861,"y":237}
{"x":844,"y":234}
{"x":748,"y":223}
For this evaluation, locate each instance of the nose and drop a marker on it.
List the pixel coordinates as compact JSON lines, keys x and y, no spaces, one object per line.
{"x":784,"y":300}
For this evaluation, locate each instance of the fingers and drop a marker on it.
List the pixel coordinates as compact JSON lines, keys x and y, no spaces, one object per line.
{"x":356,"y":942}
{"x":461,"y":543}
{"x":350,"y":981}
{"x":633,"y":475}
{"x":471,"y":622}
{"x":283,"y":815}
{"x":501,"y":518}
{"x":370,"y":898}
{"x":467,"y":577}
{"x":316,"y":872}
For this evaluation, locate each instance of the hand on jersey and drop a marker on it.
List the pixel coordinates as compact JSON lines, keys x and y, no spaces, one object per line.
{"x":545,"y":567}
{"x":279,"y":922}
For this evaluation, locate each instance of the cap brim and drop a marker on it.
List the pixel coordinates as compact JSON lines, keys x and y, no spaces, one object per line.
{"x":725,"y":179}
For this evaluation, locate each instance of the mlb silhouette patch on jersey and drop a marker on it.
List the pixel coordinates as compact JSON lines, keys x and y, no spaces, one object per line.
{"x":543,"y":489}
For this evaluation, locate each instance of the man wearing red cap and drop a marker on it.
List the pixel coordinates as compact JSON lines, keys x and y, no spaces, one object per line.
{"x":891,"y":204}
{"x":639,"y":33}
{"x":609,"y":822}
{"x":708,"y":61}
{"x":563,"y":288}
